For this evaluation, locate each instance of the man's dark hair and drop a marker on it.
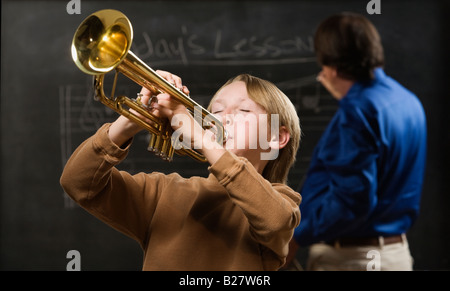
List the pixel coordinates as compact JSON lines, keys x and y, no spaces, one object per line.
{"x":350,"y":43}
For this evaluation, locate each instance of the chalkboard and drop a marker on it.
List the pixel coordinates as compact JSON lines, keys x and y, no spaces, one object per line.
{"x":47,"y":108}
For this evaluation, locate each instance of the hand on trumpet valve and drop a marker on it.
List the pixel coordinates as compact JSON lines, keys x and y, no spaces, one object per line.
{"x":150,"y":103}
{"x":163,"y":104}
{"x":174,"y":80}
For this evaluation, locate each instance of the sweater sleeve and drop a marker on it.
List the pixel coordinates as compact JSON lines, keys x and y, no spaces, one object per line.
{"x":125,"y":202}
{"x":271,"y":208}
{"x":341,"y":186}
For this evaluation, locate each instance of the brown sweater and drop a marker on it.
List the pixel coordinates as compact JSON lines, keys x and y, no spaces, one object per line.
{"x":232,"y":220}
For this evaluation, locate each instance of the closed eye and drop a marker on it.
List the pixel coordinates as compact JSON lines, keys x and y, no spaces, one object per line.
{"x":244,"y":110}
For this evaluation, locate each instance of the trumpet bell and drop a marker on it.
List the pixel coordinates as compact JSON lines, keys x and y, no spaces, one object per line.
{"x":102,"y":41}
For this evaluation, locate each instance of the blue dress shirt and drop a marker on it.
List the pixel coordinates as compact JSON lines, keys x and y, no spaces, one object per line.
{"x":366,"y":174}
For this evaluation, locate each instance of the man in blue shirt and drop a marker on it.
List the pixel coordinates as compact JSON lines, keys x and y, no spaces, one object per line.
{"x":362,"y":191}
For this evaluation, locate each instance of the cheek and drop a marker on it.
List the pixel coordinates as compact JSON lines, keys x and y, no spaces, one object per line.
{"x":245,"y":133}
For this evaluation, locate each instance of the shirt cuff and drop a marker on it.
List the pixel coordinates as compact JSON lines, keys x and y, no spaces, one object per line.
{"x":227,"y":167}
{"x":103,"y":144}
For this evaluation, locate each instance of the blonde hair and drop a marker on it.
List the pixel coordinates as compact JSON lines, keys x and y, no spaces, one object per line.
{"x":274,"y":101}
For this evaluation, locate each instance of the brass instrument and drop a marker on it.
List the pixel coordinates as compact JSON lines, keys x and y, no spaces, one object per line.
{"x":101,"y":44}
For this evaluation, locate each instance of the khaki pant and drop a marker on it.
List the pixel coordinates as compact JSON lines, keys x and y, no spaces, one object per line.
{"x":391,"y":257}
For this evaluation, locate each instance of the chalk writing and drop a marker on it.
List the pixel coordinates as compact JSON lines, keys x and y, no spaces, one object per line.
{"x":191,"y":49}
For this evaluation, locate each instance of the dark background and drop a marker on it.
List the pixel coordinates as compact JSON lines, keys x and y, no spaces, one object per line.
{"x":47,"y":107}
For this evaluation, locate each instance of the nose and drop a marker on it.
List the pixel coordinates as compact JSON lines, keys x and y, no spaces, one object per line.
{"x":320,"y":76}
{"x":225,"y":117}
{"x":229,"y":120}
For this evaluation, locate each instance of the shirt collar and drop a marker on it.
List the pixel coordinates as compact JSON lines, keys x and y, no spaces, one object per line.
{"x":356,"y":88}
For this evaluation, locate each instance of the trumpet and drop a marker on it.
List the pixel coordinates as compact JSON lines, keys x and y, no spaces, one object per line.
{"x":101,"y":44}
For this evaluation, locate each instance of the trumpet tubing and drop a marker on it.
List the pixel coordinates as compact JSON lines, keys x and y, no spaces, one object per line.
{"x":102,"y":44}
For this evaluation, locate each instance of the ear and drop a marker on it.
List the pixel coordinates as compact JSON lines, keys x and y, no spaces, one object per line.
{"x":282,"y":140}
{"x":329,"y":72}
{"x":334,"y":72}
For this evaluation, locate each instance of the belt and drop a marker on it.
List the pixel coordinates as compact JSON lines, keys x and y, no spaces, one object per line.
{"x":367,"y":241}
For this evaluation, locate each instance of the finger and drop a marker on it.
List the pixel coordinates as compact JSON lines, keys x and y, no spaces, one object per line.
{"x":144,"y":96}
{"x":163,"y":97}
{"x":166,"y":75}
{"x":155,"y":111}
{"x":164,"y":103}
{"x":185,"y":90}
{"x":161,"y":110}
{"x":171,"y":78}
{"x":145,"y":91}
{"x":177,"y":82}
{"x":162,"y":73}
{"x":145,"y":100}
